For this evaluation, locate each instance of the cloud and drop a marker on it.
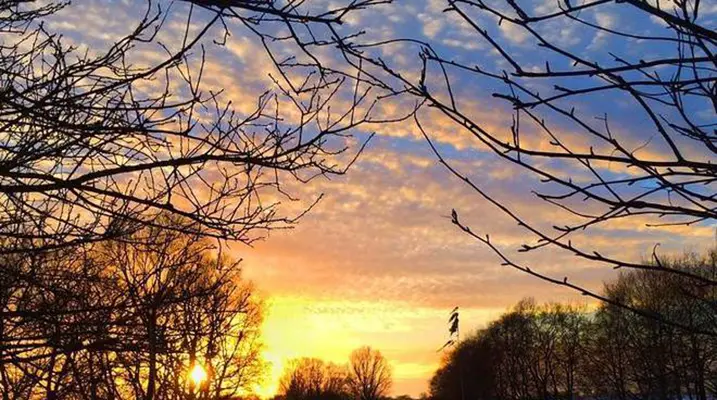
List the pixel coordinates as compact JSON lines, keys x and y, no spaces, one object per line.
{"x":513,"y":32}
{"x":377,"y":261}
{"x":605,"y":20}
{"x":431,"y":26}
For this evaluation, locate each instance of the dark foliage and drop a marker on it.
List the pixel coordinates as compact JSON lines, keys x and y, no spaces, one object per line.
{"x":562,"y":352}
{"x":127,"y":319}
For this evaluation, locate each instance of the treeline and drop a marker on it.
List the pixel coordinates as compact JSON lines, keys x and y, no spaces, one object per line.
{"x":653,"y":342}
{"x":127,"y":319}
{"x":367,"y":376}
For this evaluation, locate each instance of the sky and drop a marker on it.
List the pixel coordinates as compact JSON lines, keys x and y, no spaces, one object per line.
{"x":377,"y":261}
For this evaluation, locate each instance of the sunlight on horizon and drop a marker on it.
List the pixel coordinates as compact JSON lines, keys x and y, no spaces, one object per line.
{"x":331,"y":329}
{"x":197,"y":196}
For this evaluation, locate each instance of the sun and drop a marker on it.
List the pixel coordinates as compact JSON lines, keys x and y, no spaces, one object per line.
{"x":198,"y":374}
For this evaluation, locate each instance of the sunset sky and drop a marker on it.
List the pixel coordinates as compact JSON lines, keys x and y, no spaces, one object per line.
{"x":377,"y":262}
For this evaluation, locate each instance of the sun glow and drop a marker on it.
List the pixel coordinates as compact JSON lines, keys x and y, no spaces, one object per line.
{"x":198,"y":374}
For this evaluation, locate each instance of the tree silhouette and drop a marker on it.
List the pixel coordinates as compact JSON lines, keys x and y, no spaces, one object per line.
{"x":660,"y":359}
{"x":127,"y":320}
{"x":564,"y":352}
{"x":105,"y":159}
{"x":370,"y":375}
{"x":313,"y":379}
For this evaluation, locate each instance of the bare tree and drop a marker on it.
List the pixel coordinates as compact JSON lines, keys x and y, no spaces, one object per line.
{"x":127,"y":319}
{"x":559,"y":351}
{"x":647,"y":357}
{"x":370,"y":375}
{"x":95,"y":146}
{"x":313,"y":379}
{"x":659,"y":173}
